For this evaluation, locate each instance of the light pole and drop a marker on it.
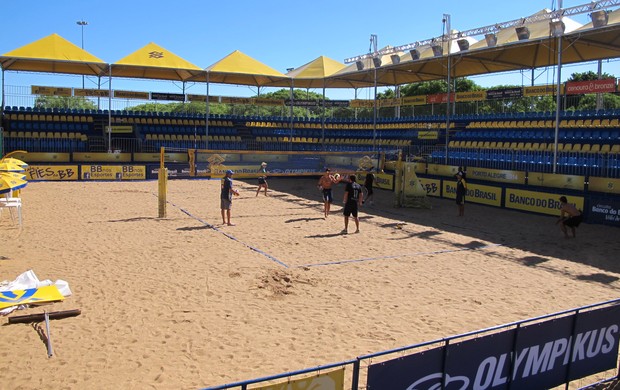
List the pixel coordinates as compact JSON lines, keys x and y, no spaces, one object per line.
{"x":82,"y":23}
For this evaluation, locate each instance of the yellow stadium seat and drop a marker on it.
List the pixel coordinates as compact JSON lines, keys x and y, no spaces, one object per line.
{"x":585,"y":148}
{"x":527,"y":146}
{"x":615,"y":149}
{"x":595,"y":148}
{"x":575,"y":148}
{"x":605,"y":148}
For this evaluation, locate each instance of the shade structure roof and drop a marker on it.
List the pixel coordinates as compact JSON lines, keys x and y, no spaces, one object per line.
{"x":314,"y":73}
{"x":53,"y":54}
{"x":154,"y":62}
{"x":240,"y":69}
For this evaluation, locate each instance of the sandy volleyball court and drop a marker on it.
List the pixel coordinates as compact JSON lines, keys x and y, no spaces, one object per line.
{"x":185,"y":302}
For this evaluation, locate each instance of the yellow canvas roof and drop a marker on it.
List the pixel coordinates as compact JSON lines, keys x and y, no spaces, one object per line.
{"x":313,"y":73}
{"x":154,"y":62}
{"x":241,"y":69}
{"x":53,"y":54}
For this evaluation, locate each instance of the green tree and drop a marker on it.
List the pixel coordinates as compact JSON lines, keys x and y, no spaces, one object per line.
{"x":70,"y":102}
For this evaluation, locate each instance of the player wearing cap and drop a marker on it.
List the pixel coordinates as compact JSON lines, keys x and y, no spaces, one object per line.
{"x":226,"y":196}
{"x":262,"y":178}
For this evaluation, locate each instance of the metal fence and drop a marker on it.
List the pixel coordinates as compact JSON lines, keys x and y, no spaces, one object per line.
{"x":361,"y":364}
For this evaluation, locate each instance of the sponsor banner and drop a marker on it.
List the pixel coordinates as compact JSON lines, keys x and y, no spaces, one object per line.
{"x":471,"y":96}
{"x":268,"y":102}
{"x":43,"y":157}
{"x":476,"y":193}
{"x":258,"y":158}
{"x":504,"y":93}
{"x":113,"y":172}
{"x":358,"y":103}
{"x":419,"y":167}
{"x":102,"y":157}
{"x":236,"y":100}
{"x":302,"y":103}
{"x":101,"y":172}
{"x":442,"y":170}
{"x":418,"y":100}
{"x":217,"y":158}
{"x":384,"y":181}
{"x":569,"y":182}
{"x":603,"y":210}
{"x":119,"y":129}
{"x":498,"y":175}
{"x":336,"y":103}
{"x":174,"y":171}
{"x":439,"y":98}
{"x":586,"y":342}
{"x":389,"y":102}
{"x":428,"y":134}
{"x":332,"y":380}
{"x":154,"y":157}
{"x":603,"y":184}
{"x":538,"y":202}
{"x":592,"y":86}
{"x":50,"y":91}
{"x":176,"y":97}
{"x":91,"y":92}
{"x":52,"y":172}
{"x":131,"y":95}
{"x":432,"y":186}
{"x":542,"y":90}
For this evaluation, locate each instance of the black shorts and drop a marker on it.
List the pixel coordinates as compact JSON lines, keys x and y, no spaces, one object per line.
{"x":573,"y":221}
{"x":460,"y":199}
{"x":350,"y":208}
{"x":262,"y":180}
{"x":368,"y":190}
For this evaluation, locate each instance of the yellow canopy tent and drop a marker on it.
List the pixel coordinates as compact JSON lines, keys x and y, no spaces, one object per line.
{"x":53,"y":54}
{"x":154,"y":62}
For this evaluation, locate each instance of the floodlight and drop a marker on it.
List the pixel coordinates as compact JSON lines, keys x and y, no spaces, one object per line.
{"x":376,"y":61}
{"x":556,"y":28}
{"x":599,"y":18}
{"x":463,"y":44}
{"x":491,"y":39}
{"x":415,"y":54}
{"x":395,"y":59}
{"x":523,"y":33}
{"x":360,"y":65}
{"x":437,"y":50}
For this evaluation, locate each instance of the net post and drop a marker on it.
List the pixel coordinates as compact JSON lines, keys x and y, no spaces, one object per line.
{"x":162,"y":181}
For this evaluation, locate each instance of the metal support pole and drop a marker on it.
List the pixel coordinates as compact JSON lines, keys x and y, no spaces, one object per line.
{"x":446,"y":20}
{"x":110,"y":109}
{"x":557,"y":101}
{"x":207,"y":116}
{"x":291,"y":114}
{"x":374,"y":114}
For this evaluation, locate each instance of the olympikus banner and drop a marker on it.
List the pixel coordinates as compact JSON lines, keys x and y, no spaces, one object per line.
{"x":546,"y":354}
{"x":302,"y":103}
{"x":177,"y":97}
{"x":592,"y":86}
{"x":504,"y":93}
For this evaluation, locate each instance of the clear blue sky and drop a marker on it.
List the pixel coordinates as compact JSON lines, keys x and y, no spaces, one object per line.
{"x":281,"y":34}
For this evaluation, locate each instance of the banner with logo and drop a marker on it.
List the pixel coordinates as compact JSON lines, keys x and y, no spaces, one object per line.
{"x":52,"y":172}
{"x":358,"y":103}
{"x":604,"y":184}
{"x":428,"y":134}
{"x":333,"y":380}
{"x":154,"y":157}
{"x":441,"y":170}
{"x":542,"y":90}
{"x":471,"y":96}
{"x":131,"y":95}
{"x":546,"y":354}
{"x":432,"y":186}
{"x":91,"y":92}
{"x":418,"y":100}
{"x":439,"y":98}
{"x":476,"y":193}
{"x":102,"y":157}
{"x":497,"y":175}
{"x":603,"y":210}
{"x":50,"y":91}
{"x":113,"y":172}
{"x":43,"y":157}
{"x":538,"y":202}
{"x":505,"y":93}
{"x":414,"y":194}
{"x":591,"y":86}
{"x":568,"y":182}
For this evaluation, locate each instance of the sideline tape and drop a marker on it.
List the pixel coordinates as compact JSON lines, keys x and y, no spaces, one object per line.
{"x":207,"y":224}
{"x":396,"y":256}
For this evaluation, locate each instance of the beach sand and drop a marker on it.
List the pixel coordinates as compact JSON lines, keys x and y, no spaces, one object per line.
{"x":185,"y":302}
